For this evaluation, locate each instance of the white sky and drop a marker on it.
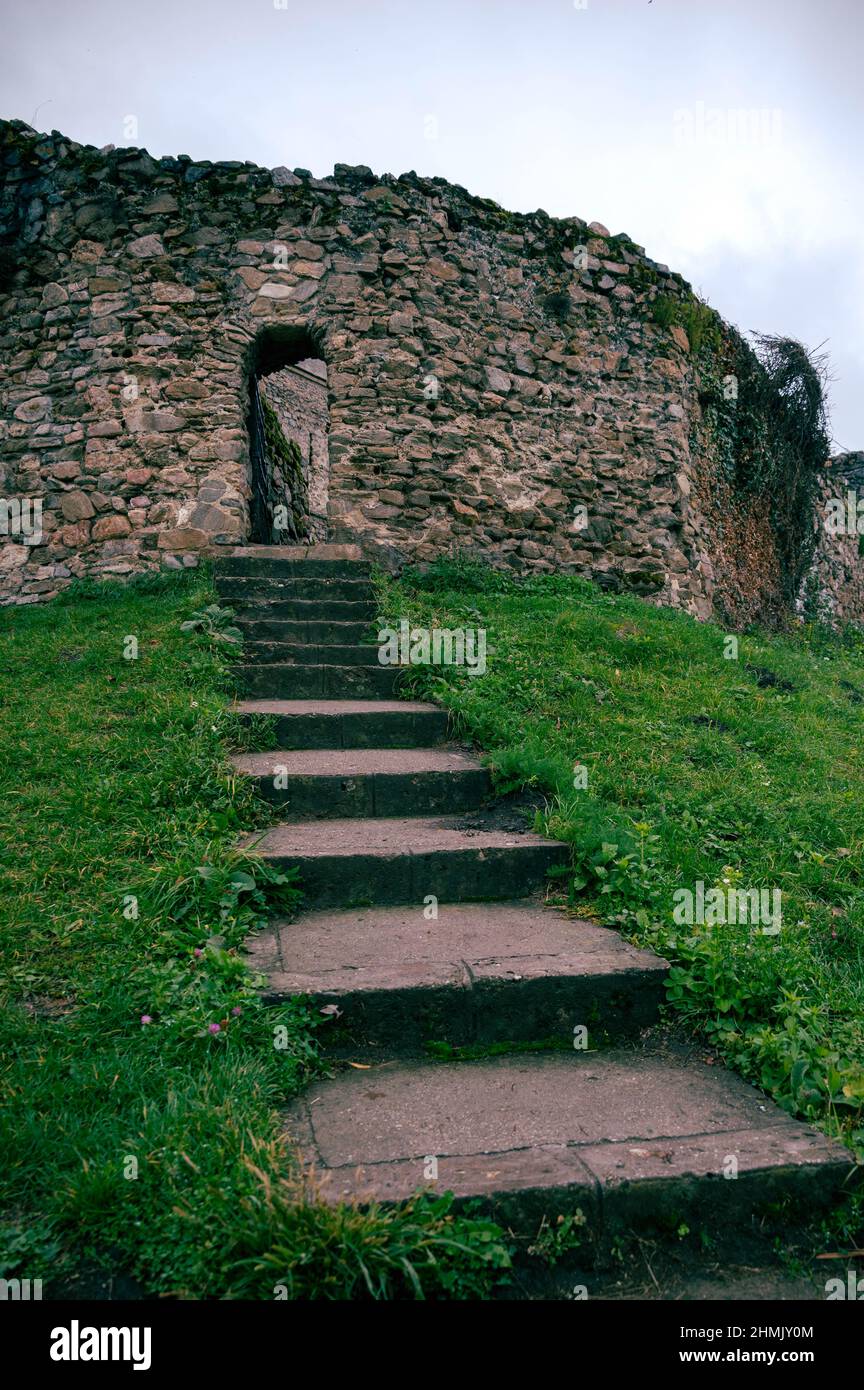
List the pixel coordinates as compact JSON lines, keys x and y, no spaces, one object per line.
{"x":630,"y":112}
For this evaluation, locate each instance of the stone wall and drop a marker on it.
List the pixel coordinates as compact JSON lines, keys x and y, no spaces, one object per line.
{"x":833,"y":590}
{"x":496,"y":382}
{"x":280,"y":503}
{"x":299,"y":398}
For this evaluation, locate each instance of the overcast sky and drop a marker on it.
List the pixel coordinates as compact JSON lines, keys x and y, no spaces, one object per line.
{"x":722,"y":135}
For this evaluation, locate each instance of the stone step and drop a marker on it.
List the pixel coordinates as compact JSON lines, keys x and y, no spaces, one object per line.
{"x":294,"y":682}
{"x":632,"y":1137}
{"x":478,"y":973}
{"x":305,"y":630}
{"x":345,"y":863}
{"x":350,"y":723}
{"x":321,"y":550}
{"x":305,"y":610}
{"x":275,"y":561}
{"x":240,"y":567}
{"x":309,"y":654}
{"x":323,"y":784}
{"x":238,"y":589}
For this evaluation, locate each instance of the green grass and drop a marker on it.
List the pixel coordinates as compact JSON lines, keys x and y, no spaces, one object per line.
{"x":698,"y":768}
{"x":154,"y":1148}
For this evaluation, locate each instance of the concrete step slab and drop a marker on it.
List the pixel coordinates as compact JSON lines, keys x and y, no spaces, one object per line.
{"x":250,"y":608}
{"x":308,"y":654}
{"x":331,"y":784}
{"x":350,"y":723}
{"x":477,"y":973}
{"x":305,"y":631}
{"x":241,"y":589}
{"x":324,"y":550}
{"x":356,"y":862}
{"x":631,"y":1137}
{"x":277,"y":680}
{"x":319,"y":561}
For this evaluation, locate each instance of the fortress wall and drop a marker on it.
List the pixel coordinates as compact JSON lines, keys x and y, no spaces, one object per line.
{"x":496,"y":382}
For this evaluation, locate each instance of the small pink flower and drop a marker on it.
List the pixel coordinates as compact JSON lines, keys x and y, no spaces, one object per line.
{"x":214,"y":1028}
{"x":197,"y":953}
{"x":236,"y":1011}
{"x":145,"y":1019}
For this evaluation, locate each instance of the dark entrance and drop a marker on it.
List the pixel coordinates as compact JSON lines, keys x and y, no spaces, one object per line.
{"x":288,"y":423}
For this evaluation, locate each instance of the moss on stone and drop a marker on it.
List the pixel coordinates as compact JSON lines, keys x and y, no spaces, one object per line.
{"x":286,"y":482}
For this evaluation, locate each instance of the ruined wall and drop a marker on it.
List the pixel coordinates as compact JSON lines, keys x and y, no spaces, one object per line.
{"x":480,"y":386}
{"x":496,"y":382}
{"x":299,"y":398}
{"x":833,"y":590}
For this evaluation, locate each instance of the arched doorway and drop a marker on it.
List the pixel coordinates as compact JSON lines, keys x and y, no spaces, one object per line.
{"x":288,"y":425}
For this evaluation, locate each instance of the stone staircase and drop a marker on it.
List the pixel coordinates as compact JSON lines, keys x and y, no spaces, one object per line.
{"x":425,"y":922}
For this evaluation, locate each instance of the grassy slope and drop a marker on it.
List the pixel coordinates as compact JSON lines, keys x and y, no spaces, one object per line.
{"x":695,"y":771}
{"x":115,"y":783}
{"x":157,"y":1142}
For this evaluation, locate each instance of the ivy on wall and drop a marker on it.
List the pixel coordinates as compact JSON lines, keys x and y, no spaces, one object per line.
{"x":766,"y":411}
{"x":764,"y":421}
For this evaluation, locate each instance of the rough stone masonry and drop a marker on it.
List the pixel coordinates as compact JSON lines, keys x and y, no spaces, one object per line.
{"x":496,"y":382}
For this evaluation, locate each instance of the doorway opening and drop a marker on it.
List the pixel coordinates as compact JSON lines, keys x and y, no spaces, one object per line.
{"x":289,"y":421}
